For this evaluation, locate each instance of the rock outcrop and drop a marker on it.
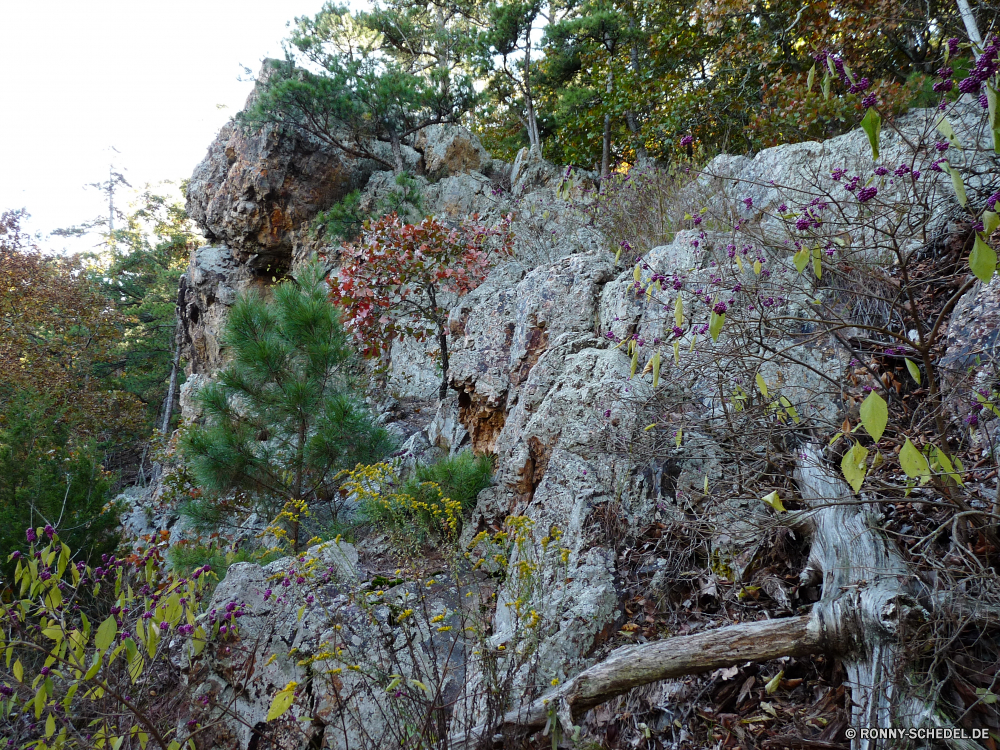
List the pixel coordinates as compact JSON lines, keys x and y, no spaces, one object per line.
{"x":541,"y":375}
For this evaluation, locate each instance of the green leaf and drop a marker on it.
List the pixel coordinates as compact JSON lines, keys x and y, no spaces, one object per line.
{"x":762,"y":385}
{"x":774,"y":500}
{"x":635,"y":362}
{"x":50,"y":726}
{"x":913,"y":369}
{"x":811,"y":78}
{"x":817,"y":263}
{"x":679,"y":312}
{"x":991,"y":220}
{"x":874,"y":415}
{"x":18,"y":671}
{"x":715,"y":324}
{"x":956,"y":181}
{"x":853,"y":466}
{"x":679,"y":437}
{"x":945,"y":128}
{"x":913,"y":462}
{"x":982,"y":260}
{"x":872,"y":125}
{"x":106,"y":634}
{"x":282,"y":701}
{"x":991,"y":101}
{"x":801,"y":259}
{"x":946,"y":466}
{"x":656,"y":369}
{"x":826,"y":86}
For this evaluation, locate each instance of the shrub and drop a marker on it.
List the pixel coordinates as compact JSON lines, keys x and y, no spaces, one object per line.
{"x":431,"y":503}
{"x":281,"y":421}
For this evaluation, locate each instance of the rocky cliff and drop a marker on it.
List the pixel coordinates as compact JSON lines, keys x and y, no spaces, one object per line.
{"x":543,"y":379}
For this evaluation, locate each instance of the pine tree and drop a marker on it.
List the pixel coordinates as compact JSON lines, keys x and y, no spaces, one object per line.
{"x":281,"y":420}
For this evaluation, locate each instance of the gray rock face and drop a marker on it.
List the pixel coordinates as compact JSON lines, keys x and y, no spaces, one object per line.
{"x":450,"y":150}
{"x":973,"y":345}
{"x":207,"y":291}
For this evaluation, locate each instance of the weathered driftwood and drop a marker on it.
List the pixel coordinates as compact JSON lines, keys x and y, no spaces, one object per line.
{"x":868,"y":594}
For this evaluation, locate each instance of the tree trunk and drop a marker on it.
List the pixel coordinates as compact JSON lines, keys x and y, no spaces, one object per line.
{"x":168,"y":407}
{"x":443,"y":343}
{"x":534,"y":136}
{"x":869,"y":596}
{"x":971,"y":28}
{"x":397,"y":153}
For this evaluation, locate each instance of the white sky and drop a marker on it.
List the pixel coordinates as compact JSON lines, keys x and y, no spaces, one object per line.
{"x":144,"y":77}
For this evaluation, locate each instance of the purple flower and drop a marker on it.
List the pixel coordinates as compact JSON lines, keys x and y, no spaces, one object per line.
{"x":942,"y":146}
{"x":45,"y":671}
{"x":6,"y":690}
{"x":953,"y":46}
{"x":991,"y":202}
{"x":902,"y":170}
{"x":916,"y":174}
{"x":803,"y":223}
{"x":783,"y":208}
{"x":984,"y":102}
{"x":607,"y":413}
{"x":49,"y":531}
{"x":267,"y":594}
{"x":16,"y":555}
{"x":164,"y":625}
{"x":748,"y":202}
{"x":881,"y":171}
{"x":678,"y":331}
{"x":936,"y":165}
{"x":861,"y":85}
{"x":697,"y":220}
{"x":869,"y":101}
{"x":945,"y":72}
{"x":32,"y":536}
{"x":836,"y":175}
{"x":687,"y":140}
{"x":943,"y":87}
{"x":866,"y":194}
{"x":720,"y":308}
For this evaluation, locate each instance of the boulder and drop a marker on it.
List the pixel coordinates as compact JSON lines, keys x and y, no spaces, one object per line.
{"x":450,"y":150}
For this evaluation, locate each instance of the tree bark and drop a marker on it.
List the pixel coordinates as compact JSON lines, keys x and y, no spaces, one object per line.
{"x":971,"y":27}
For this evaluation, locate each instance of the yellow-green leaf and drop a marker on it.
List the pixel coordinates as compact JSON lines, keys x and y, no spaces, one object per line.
{"x":762,"y":385}
{"x":874,"y":415}
{"x":853,"y":466}
{"x":991,"y":220}
{"x":956,"y":181}
{"x":945,"y":128}
{"x":656,"y":369}
{"x":18,"y":671}
{"x":811,"y":78}
{"x":982,"y":260}
{"x":106,"y":634}
{"x":677,"y":352}
{"x":801,"y":259}
{"x":635,"y":362}
{"x":679,"y":437}
{"x":773,"y":683}
{"x":50,"y":726}
{"x":774,"y":500}
{"x":817,"y":263}
{"x":757,"y":267}
{"x":715,"y":324}
{"x":679,"y":312}
{"x":282,"y":701}
{"x":914,"y":371}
